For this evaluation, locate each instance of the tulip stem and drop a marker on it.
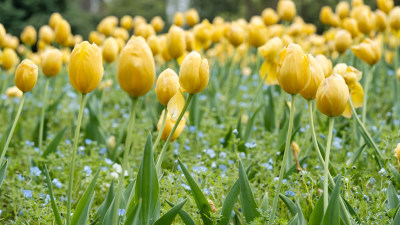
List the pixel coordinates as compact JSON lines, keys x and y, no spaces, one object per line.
{"x":160,"y":132}
{"x":46,"y":87}
{"x":326,"y":164}
{"x":164,"y":149}
{"x":366,"y":86}
{"x":72,"y":163}
{"x":128,"y":143}
{"x":3,"y":153}
{"x":285,"y":156}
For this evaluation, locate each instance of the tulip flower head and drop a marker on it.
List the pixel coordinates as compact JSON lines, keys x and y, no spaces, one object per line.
{"x":51,"y":62}
{"x":332,"y":96}
{"x":317,"y":77}
{"x":166,"y":86}
{"x":169,"y":124}
{"x":369,"y":51}
{"x":286,"y":9}
{"x":14,"y":92}
{"x":194,"y":73}
{"x":26,"y":75}
{"x":176,"y":43}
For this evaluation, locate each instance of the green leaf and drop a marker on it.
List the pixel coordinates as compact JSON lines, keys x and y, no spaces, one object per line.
{"x":3,"y":170}
{"x":102,"y":210}
{"x":229,"y":203}
{"x":250,"y":124}
{"x":264,"y":204}
{"x":53,"y":202}
{"x":376,"y":151}
{"x":133,"y":214}
{"x":294,"y":220}
{"x":201,"y":201}
{"x":52,"y":147}
{"x":169,"y":217}
{"x":247,"y":201}
{"x":332,"y":215}
{"x":109,"y":213}
{"x":396,"y":174}
{"x":397,"y":218}
{"x":93,"y":130}
{"x":146,"y":187}
{"x":351,"y":211}
{"x":355,"y":156}
{"x":393,"y":199}
{"x":293,"y":208}
{"x":227,"y":138}
{"x":318,"y":213}
{"x":269,"y":112}
{"x":81,"y":213}
{"x":187,"y":220}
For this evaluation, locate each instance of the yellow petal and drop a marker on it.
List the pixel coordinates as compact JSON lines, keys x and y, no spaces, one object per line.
{"x":347,"y":111}
{"x":357,"y":95}
{"x":175,"y":105}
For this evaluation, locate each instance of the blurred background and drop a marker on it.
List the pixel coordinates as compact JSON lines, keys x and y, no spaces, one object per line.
{"x":84,"y":15}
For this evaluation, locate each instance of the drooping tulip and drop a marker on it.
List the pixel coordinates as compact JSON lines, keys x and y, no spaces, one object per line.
{"x":332,"y":96}
{"x":51,"y":62}
{"x":369,"y":51}
{"x":270,"y":50}
{"x":194,"y":73}
{"x":26,"y":75}
{"x":136,"y":69}
{"x":166,"y":86}
{"x":85,"y":68}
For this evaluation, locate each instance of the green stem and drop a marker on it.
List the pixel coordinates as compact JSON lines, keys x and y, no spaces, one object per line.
{"x":367,"y":81}
{"x":326,"y":164}
{"x":314,"y":137}
{"x":160,"y":132}
{"x":128,"y":143}
{"x":259,"y":87}
{"x":46,"y":87}
{"x":5,"y":82}
{"x":164,"y":149}
{"x":285,"y":156}
{"x":72,"y":163}
{"x":3,"y":153}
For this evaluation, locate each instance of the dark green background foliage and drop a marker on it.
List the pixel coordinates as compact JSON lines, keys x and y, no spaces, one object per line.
{"x":16,"y":14}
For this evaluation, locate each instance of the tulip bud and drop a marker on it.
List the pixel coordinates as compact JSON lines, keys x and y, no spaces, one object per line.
{"x":317,"y":77}
{"x":271,"y":49}
{"x":189,"y":37}
{"x":96,"y":37}
{"x":332,"y":96}
{"x":10,"y":59}
{"x":202,"y":32}
{"x":325,"y":15}
{"x":179,"y":19}
{"x":144,"y":30}
{"x":369,"y":51}
{"x":136,"y":70}
{"x":293,"y":70}
{"x":29,"y":35}
{"x":270,"y":17}
{"x":364,"y":19}
{"x":194,"y":73}
{"x":350,"y":25}
{"x":26,"y":75}
{"x":85,"y":68}
{"x":166,"y":86}
{"x":111,"y":142}
{"x":157,"y":23}
{"x":107,"y":25}
{"x":137,"y":21}
{"x":192,"y":17}
{"x":46,"y":34}
{"x":355,"y":3}
{"x":126,"y":22}
{"x":154,"y":44}
{"x":394,"y":18}
{"x":342,"y":9}
{"x":169,"y":124}
{"x":121,"y":33}
{"x":217,"y":33}
{"x":258,"y":34}
{"x":381,"y":21}
{"x":385,"y":5}
{"x":54,"y":19}
{"x":14,"y":92}
{"x":176,"y":43}
{"x":286,"y":9}
{"x":343,"y":41}
{"x":235,"y":34}
{"x":51,"y":62}
{"x":110,"y":50}
{"x":62,"y":32}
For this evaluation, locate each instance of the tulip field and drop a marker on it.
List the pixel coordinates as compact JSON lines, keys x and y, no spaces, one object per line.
{"x":196,"y":121}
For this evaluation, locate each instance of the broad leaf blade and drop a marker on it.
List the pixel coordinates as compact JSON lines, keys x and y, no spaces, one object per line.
{"x":393,"y":199}
{"x":247,"y":201}
{"x":229,"y":203}
{"x":169,"y":217}
{"x":187,"y":220}
{"x":332,"y":215}
{"x":52,"y":147}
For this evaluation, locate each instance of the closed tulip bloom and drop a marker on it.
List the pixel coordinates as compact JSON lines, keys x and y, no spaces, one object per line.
{"x":51,"y":62}
{"x":217,"y":33}
{"x":194,"y":73}
{"x":365,"y":22}
{"x":10,"y":59}
{"x":286,"y":9}
{"x":258,"y":34}
{"x":136,"y":71}
{"x":235,"y":34}
{"x":271,"y":49}
{"x":154,"y":44}
{"x":325,"y":15}
{"x":85,"y":68}
{"x":342,"y":9}
{"x":394,"y":18}
{"x":381,"y":21}
{"x":385,"y":5}
{"x":54,"y":19}
{"x":270,"y":17}
{"x":126,"y":22}
{"x":96,"y":37}
{"x":343,"y":41}
{"x":29,"y":35}
{"x":203,"y":31}
{"x":350,"y":25}
{"x":176,"y":42}
{"x":166,"y":86}
{"x":46,"y":34}
{"x":293,"y":69}
{"x":26,"y":75}
{"x":369,"y":51}
{"x":144,"y":30}
{"x":137,"y":21}
{"x":179,"y":19}
{"x":169,"y":124}
{"x":192,"y":17}
{"x":121,"y":33}
{"x":107,"y":25}
{"x":355,"y":3}
{"x":189,"y":37}
{"x":110,"y":50}
{"x":62,"y":32}
{"x":157,"y":23}
{"x":14,"y":92}
{"x":332,"y":96}
{"x":317,"y":76}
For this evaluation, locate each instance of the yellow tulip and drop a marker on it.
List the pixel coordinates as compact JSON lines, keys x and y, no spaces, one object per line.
{"x":169,"y":124}
{"x":29,"y":35}
{"x":381,"y":21}
{"x":96,"y":37}
{"x":157,"y":23}
{"x":317,"y":77}
{"x":192,"y":17}
{"x":332,"y":96}
{"x":46,"y":34}
{"x":51,"y":62}
{"x":14,"y":92}
{"x":342,"y":9}
{"x":179,"y":19}
{"x":397,"y":152}
{"x":166,"y":86}
{"x":54,"y":19}
{"x":2,"y":34}
{"x":62,"y":31}
{"x":398,"y":74}
{"x":385,"y":5}
{"x":137,"y":21}
{"x":35,"y":58}
{"x":110,"y":50}
{"x":194,"y":73}
{"x":271,"y":49}
{"x":369,"y":51}
{"x":85,"y":69}
{"x":189,"y":37}
{"x":350,"y":74}
{"x":325,"y":15}
{"x":126,"y":22}
{"x":235,"y":34}
{"x":154,"y":44}
{"x":258,"y":34}
{"x":355,"y":3}
{"x":176,"y":43}
{"x":136,"y":70}
{"x":144,"y":30}
{"x":202,"y":32}
{"x":175,"y":105}
{"x":293,"y":70}
{"x":365,"y":22}
{"x":343,"y":41}
{"x":107,"y":25}
{"x":26,"y":75}
{"x":286,"y":9}
{"x":10,"y":59}
{"x":270,"y":17}
{"x":121,"y":33}
{"x":394,"y":18}
{"x":350,"y":25}
{"x":217,"y":33}
{"x":269,"y":68}
{"x":357,"y":96}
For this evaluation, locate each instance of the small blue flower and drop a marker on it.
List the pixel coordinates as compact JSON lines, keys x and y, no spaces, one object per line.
{"x":121,"y":212}
{"x":289,"y":193}
{"x":210,"y":153}
{"x":222,"y":167}
{"x":29,"y":143}
{"x":57,"y":183}
{"x":27,"y":194}
{"x":87,"y":170}
{"x":222,"y":155}
{"x":108,"y":161}
{"x":103,"y":151}
{"x":192,"y":129}
{"x":35,"y":171}
{"x":250,"y":145}
{"x":200,"y":134}
{"x":88,"y":141}
{"x":382,"y":172}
